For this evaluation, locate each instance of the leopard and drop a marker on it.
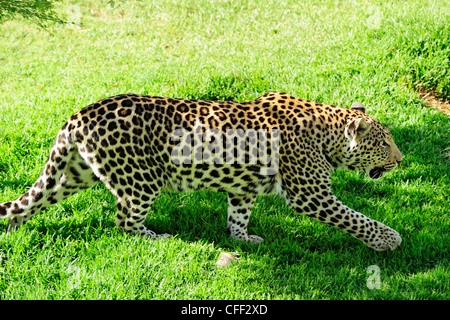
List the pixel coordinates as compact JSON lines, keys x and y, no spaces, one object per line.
{"x":140,"y":145}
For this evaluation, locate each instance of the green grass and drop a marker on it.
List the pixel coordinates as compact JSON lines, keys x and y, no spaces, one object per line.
{"x":332,"y":52}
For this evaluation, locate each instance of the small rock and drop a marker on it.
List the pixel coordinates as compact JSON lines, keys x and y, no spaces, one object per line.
{"x":225,"y":260}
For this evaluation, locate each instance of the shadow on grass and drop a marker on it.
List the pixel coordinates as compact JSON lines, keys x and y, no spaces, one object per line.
{"x":228,"y":87}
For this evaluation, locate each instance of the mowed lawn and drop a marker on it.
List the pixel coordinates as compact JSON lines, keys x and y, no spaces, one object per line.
{"x":335,"y":52}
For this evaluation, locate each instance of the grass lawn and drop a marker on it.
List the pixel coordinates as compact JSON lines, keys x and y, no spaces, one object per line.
{"x":336,"y":52}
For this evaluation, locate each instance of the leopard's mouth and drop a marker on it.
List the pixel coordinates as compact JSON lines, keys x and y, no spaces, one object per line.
{"x":377,"y":172}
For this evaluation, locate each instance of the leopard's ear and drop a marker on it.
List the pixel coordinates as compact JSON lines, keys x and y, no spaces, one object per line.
{"x":357,"y":128}
{"x":358,"y":106}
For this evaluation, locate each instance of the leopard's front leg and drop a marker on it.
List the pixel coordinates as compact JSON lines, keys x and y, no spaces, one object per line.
{"x":326,"y":208}
{"x":239,"y":210}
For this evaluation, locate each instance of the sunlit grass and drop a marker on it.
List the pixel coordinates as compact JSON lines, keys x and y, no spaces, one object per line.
{"x":333,"y":52}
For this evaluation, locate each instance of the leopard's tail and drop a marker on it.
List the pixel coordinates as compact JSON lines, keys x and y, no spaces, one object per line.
{"x":42,"y":193}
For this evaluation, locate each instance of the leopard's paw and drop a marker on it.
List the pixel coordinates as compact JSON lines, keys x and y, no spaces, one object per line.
{"x":154,"y":236}
{"x":384,"y":238}
{"x":248,"y":238}
{"x":255,"y":239}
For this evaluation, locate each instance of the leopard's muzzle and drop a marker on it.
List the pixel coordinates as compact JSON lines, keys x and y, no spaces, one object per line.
{"x":377,"y":172}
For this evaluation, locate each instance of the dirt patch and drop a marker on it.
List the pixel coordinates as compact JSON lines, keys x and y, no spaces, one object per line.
{"x":431,"y":99}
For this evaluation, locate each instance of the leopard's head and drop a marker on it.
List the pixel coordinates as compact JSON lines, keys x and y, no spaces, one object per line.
{"x":369,"y":145}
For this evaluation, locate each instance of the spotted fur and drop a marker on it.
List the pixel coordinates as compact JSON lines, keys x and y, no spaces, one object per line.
{"x":127,"y":142}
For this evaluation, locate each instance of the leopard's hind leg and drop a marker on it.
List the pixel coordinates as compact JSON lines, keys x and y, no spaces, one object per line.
{"x":134,"y":187}
{"x":131,"y":216}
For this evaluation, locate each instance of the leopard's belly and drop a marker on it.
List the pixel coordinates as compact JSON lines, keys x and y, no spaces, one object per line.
{"x":232,"y":178}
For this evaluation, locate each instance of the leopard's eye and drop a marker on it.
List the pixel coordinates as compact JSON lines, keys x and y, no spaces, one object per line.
{"x":385,"y":144}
